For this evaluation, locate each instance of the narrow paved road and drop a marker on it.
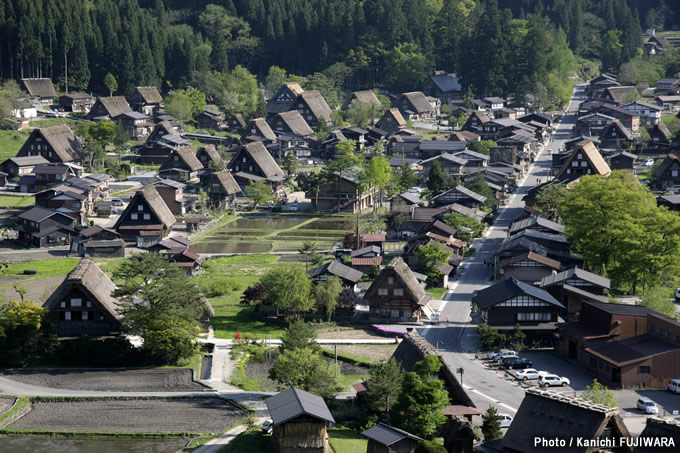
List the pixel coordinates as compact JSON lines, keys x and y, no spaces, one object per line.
{"x":459,"y":338}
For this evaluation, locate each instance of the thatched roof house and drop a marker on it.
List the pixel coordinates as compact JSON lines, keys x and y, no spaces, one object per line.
{"x":55,"y":143}
{"x":83,"y":304}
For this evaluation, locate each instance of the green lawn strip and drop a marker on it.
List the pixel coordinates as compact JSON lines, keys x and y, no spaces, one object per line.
{"x":329,"y":351}
{"x":11,"y":142}
{"x":123,"y":192}
{"x":192,"y":363}
{"x":45,"y":268}
{"x":108,"y":265}
{"x":239,"y":377}
{"x":16,"y":201}
{"x":345,"y":440}
{"x":437,"y":293}
{"x":18,"y":405}
{"x":250,"y":442}
{"x":346,"y":380}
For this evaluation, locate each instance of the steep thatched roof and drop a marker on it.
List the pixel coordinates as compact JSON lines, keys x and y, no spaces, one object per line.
{"x":156,"y":204}
{"x":262,"y":129}
{"x":419,"y":101}
{"x":258,"y":152}
{"x":366,"y":96}
{"x":413,"y":289}
{"x":62,"y":140}
{"x":114,"y":105}
{"x":226,"y":181}
{"x":185,"y":155}
{"x":317,"y":104}
{"x":41,"y":88}
{"x":549,"y":415}
{"x":210,"y":152}
{"x":588,"y":148}
{"x":295,"y":122}
{"x":88,"y":277}
{"x":150,"y":95}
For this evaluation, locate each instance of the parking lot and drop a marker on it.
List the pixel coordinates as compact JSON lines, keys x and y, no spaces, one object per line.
{"x":666,"y":401}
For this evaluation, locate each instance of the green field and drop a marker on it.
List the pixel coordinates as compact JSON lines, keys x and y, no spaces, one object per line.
{"x":11,"y":142}
{"x":249,"y":442}
{"x":234,"y":274}
{"x":12,"y":201}
{"x":347,"y":441}
{"x":45,"y":268}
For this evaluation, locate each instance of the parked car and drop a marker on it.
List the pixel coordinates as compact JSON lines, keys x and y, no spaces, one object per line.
{"x":505,"y":420}
{"x":117,"y":202}
{"x":674,"y":385}
{"x":552,"y":380}
{"x":647,"y":406}
{"x":649,"y":162}
{"x":529,"y":373}
{"x":516,"y":362}
{"x":673,"y":189}
{"x":268,"y":427}
{"x":501,"y":354}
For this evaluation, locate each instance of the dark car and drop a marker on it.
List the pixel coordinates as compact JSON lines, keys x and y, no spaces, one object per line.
{"x":516,"y":363}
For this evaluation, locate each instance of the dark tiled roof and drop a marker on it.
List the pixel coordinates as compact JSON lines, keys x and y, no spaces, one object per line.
{"x":338,"y":269}
{"x":293,"y":402}
{"x":631,"y":350}
{"x":507,"y":289}
{"x":576,"y":272}
{"x":37,"y":214}
{"x":369,"y":249}
{"x":531,"y":256}
{"x":388,"y":435}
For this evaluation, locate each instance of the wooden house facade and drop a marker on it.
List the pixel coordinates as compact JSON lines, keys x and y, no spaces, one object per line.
{"x":146,"y":219}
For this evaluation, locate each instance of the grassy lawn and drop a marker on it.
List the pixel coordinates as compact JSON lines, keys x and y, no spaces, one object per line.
{"x":347,"y":441}
{"x":45,"y":268}
{"x":437,"y":293}
{"x":347,"y":380}
{"x":12,"y":201}
{"x":250,"y":442}
{"x":233,"y":275}
{"x":11,"y":142}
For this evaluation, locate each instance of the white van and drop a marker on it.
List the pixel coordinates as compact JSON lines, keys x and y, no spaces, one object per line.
{"x":674,"y":385}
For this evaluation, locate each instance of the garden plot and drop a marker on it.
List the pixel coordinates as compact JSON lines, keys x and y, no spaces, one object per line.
{"x":209,"y":414}
{"x":145,"y":380}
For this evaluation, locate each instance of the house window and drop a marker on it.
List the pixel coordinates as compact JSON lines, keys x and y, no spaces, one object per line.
{"x":243,"y":159}
{"x":237,"y":168}
{"x":394,"y":313}
{"x":39,"y":147}
{"x":84,"y":316}
{"x":250,"y":168}
{"x":63,"y":304}
{"x":644,"y":369}
{"x":579,"y":156}
{"x":253,"y":131}
{"x":398,"y":291}
{"x":67,"y":316}
{"x":134,"y":216}
{"x":140,"y":207}
{"x":674,"y":173}
{"x":89,"y":304}
{"x":390,"y":280}
{"x":382,"y":292}
{"x":147,"y":216}
{"x":76,"y":302}
{"x":584,"y":163}
{"x":574,"y":164}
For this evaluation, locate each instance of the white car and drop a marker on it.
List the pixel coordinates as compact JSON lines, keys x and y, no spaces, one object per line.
{"x":647,"y":406}
{"x":530,"y":373}
{"x":649,"y":162}
{"x":505,"y":420}
{"x":502,"y":354}
{"x":268,"y":427}
{"x":552,"y":380}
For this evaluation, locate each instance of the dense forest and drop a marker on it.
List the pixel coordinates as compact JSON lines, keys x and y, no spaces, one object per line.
{"x":497,"y":46}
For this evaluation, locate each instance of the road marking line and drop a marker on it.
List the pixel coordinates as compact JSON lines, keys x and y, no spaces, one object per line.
{"x":489,"y":398}
{"x":425,"y":330}
{"x":507,"y":407}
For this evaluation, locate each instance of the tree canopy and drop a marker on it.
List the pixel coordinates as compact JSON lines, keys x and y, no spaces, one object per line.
{"x":615,"y":224}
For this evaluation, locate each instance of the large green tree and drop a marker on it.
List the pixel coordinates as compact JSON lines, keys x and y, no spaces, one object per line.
{"x":24,"y":336}
{"x":327,"y":295}
{"x":418,"y":408}
{"x":407,"y":67}
{"x":615,"y":224}
{"x":289,"y":289}
{"x":161,"y":304}
{"x":384,"y":385}
{"x":431,"y":258}
{"x":467,"y":228}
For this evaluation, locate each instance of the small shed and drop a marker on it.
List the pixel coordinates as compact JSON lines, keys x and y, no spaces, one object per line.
{"x":300,"y":422}
{"x":384,"y":438}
